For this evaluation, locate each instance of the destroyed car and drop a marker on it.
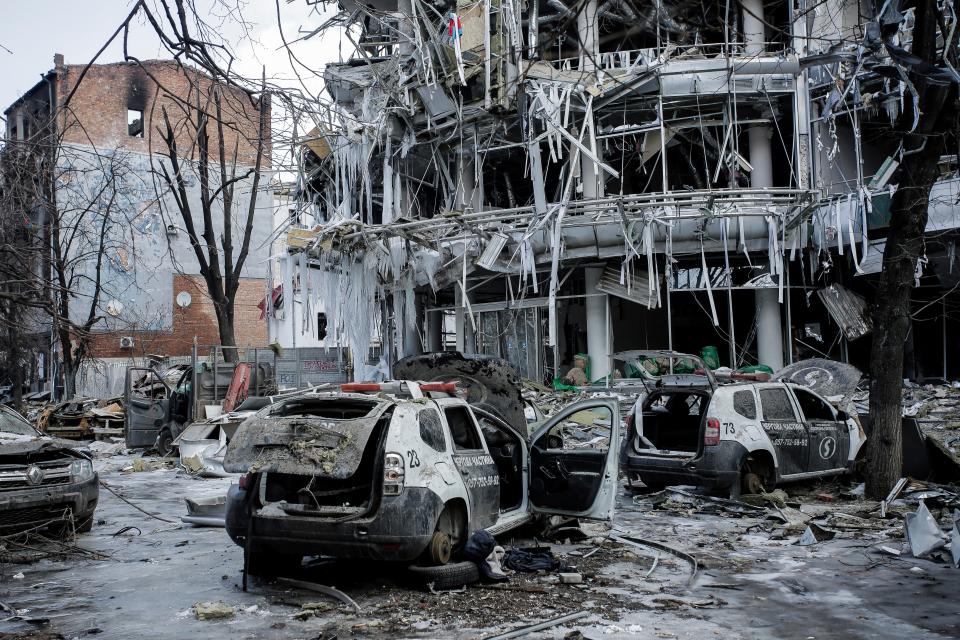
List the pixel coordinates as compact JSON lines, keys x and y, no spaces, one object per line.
{"x":742,"y":436}
{"x":44,"y":482}
{"x":404,"y":471}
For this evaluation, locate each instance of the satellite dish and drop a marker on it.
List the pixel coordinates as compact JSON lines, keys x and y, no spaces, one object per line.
{"x":184,"y":299}
{"x":114,"y":308}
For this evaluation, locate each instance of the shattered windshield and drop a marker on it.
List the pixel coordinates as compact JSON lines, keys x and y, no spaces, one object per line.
{"x":11,"y":423}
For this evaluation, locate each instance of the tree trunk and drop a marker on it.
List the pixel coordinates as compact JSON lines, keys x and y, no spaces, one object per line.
{"x":891,"y":320}
{"x":228,"y":340}
{"x":908,"y":219}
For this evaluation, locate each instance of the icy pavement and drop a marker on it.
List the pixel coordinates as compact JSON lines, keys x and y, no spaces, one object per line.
{"x":753,"y":582}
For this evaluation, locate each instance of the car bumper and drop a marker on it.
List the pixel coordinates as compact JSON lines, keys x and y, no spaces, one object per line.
{"x":399,"y":531}
{"x":24,"y":508}
{"x":716,"y":467}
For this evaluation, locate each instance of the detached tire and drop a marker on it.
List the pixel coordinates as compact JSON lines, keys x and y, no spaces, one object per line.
{"x":448,"y":576}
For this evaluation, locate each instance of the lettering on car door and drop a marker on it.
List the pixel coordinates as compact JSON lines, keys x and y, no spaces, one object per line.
{"x":787,"y":433}
{"x":475,"y":465}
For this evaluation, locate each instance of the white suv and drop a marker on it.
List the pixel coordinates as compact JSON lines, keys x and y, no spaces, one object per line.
{"x":403,"y":471}
{"x":745,"y":435}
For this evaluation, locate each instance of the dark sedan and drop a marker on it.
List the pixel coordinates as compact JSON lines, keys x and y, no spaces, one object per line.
{"x":45,"y":483}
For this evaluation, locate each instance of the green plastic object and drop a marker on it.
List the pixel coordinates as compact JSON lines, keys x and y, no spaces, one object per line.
{"x":559,"y":386}
{"x":710,"y":357}
{"x":757,"y":368}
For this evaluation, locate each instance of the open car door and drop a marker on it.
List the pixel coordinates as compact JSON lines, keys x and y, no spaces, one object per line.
{"x":573,"y":460}
{"x":145,"y":406}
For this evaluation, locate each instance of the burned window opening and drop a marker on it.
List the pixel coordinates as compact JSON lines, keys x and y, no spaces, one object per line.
{"x":135,"y":123}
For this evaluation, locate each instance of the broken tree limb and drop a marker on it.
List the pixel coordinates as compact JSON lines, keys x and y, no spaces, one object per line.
{"x":324,"y":589}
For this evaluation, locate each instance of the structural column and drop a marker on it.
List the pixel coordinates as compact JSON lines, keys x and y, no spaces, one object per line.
{"x":588,"y":31}
{"x":769,"y":324}
{"x":412,"y":340}
{"x":434,"y":322}
{"x":598,"y":347}
{"x":753,"y":27}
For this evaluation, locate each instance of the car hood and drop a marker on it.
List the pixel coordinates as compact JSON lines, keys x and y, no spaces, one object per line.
{"x":491,"y":383}
{"x":12,"y":444}
{"x":302,"y":444}
{"x":826,"y":377}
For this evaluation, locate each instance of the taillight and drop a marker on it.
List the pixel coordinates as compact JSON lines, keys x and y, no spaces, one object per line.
{"x":393,"y":474}
{"x":711,"y":435}
{"x":629,"y":422}
{"x":246,"y":481}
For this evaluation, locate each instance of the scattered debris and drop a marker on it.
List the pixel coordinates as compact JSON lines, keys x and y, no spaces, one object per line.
{"x":218,"y":610}
{"x":320,"y":588}
{"x":540,"y":626}
{"x":922,"y":532}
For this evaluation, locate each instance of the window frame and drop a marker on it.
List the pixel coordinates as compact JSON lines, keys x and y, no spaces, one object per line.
{"x":472,"y":420}
{"x":753,"y":402}
{"x":442,"y":433}
{"x":797,"y":394}
{"x":786,"y":392}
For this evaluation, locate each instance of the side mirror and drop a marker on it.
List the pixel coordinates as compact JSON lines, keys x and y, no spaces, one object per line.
{"x":842,"y":416}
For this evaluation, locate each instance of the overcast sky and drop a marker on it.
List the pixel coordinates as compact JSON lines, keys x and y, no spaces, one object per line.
{"x":32,"y":31}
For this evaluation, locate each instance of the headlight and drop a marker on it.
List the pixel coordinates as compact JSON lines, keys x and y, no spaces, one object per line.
{"x":81,"y":470}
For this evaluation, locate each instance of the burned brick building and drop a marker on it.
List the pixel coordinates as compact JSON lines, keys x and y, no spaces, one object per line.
{"x":108,"y":155}
{"x":536,"y":179}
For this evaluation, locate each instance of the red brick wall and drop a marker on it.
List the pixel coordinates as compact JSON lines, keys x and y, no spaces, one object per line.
{"x":97,"y":113}
{"x":198,"y":319}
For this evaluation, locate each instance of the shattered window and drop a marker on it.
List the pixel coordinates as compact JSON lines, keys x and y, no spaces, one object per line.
{"x":776,"y":405}
{"x":462,"y":429}
{"x":11,"y":423}
{"x":585,"y":429}
{"x":744,"y":404}
{"x":813,"y":408}
{"x":431,"y":431}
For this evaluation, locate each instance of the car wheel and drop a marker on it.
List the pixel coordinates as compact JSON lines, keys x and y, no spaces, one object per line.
{"x":165,"y":442}
{"x":755,"y":476}
{"x":440,"y":548}
{"x":448,"y":576}
{"x":265,"y":564}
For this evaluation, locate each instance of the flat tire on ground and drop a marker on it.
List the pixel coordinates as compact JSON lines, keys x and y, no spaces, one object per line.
{"x":448,"y":576}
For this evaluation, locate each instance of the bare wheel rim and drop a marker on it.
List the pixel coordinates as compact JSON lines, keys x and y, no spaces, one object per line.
{"x":440,"y":548}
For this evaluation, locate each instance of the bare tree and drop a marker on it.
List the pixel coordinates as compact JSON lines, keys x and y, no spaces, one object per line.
{"x":219,"y":224}
{"x":922,"y":148}
{"x":67,"y":204}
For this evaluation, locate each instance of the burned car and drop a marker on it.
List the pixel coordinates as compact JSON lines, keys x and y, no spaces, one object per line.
{"x":743,"y":436}
{"x":404,"y":471}
{"x":44,"y":482}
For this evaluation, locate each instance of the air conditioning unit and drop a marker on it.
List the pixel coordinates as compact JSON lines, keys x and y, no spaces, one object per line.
{"x":126,"y":342}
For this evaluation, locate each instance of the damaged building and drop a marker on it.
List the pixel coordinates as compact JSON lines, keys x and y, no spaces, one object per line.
{"x":540,"y":179}
{"x":100,"y":127}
